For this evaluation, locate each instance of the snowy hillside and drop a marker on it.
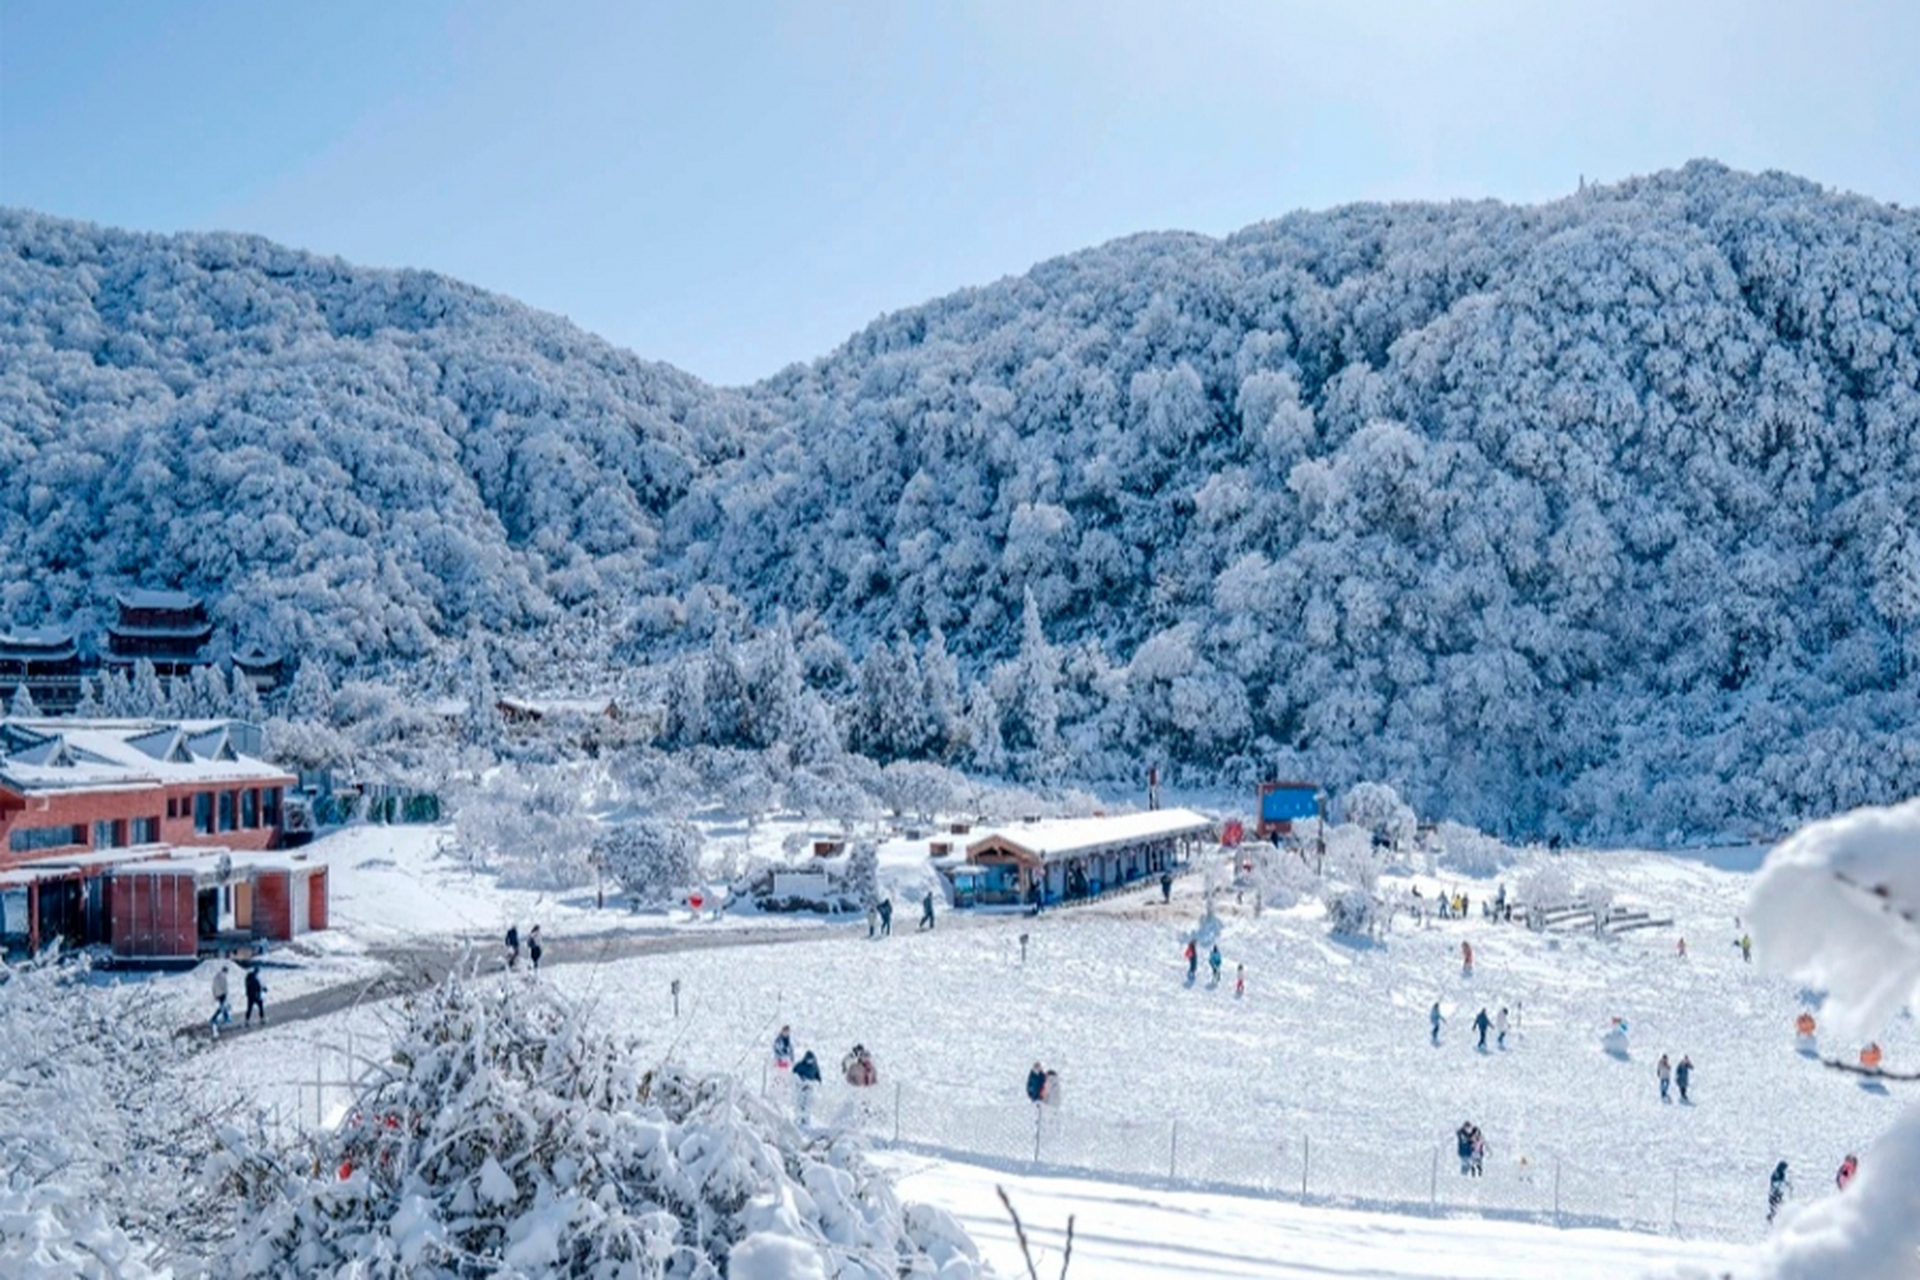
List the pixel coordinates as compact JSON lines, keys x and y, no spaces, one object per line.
{"x":1593,"y":516}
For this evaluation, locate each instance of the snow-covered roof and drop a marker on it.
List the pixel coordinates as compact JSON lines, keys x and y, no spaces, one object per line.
{"x":37,"y":638}
{"x":1052,"y":838}
{"x":147,"y":598}
{"x":547,"y":707}
{"x":64,"y":755}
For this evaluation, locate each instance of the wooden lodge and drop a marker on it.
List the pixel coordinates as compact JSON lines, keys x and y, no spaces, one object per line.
{"x":1067,"y":859}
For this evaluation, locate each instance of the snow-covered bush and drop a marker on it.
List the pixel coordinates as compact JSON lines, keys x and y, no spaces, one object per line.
{"x":1379,"y":808}
{"x":528,"y":823}
{"x":1469,"y":852}
{"x":100,"y":1136}
{"x":655,"y":859}
{"x":1281,"y":876}
{"x":1547,"y":885}
{"x":1352,"y":857}
{"x":508,"y":1138}
{"x":1352,"y":911}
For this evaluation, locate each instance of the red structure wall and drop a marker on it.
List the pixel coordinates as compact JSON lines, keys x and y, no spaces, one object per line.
{"x":153,"y":915}
{"x":317,"y":899}
{"x":84,"y":808}
{"x":273,"y":906}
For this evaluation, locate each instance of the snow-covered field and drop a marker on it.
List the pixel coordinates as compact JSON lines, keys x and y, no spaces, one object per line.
{"x":1322,"y":1073}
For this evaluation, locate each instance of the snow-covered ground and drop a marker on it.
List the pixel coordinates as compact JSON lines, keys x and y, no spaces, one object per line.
{"x":1322,"y":1075}
{"x":1125,"y":1232}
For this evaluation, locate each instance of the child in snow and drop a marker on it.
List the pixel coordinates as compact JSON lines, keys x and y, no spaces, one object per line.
{"x":1239,"y":981}
{"x":1664,"y":1071}
{"x":1683,"y":1074}
{"x":1213,"y":962}
{"x":1500,"y":1028}
{"x":1777,"y":1189}
{"x":783,"y":1048}
{"x":1193,"y":961}
{"x":1050,"y":1091}
{"x":806,"y":1077}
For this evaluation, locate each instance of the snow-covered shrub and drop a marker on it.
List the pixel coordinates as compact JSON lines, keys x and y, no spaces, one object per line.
{"x":1469,"y":852}
{"x":1598,"y":895}
{"x":528,"y":824}
{"x":100,"y":1137}
{"x":1281,"y":876}
{"x":1379,"y":808}
{"x":508,"y":1138}
{"x":863,"y":874}
{"x":1352,"y":911}
{"x":1548,"y":885}
{"x":654,"y":858}
{"x":1352,"y":858}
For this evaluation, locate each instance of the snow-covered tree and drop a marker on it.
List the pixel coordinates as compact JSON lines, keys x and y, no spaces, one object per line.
{"x":655,"y":858}
{"x":21,"y":704}
{"x":505,"y":1137}
{"x":310,"y":696}
{"x":1379,"y":808}
{"x":148,"y":697}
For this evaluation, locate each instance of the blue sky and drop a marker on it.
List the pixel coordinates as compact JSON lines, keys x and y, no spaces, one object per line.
{"x":732,"y":187}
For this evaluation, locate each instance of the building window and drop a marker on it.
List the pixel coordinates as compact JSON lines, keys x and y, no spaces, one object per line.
{"x":270,"y":806}
{"x":32,"y":838}
{"x":226,"y":810}
{"x":173,"y":807}
{"x":110,"y":833}
{"x":146,"y":831}
{"x":203,"y":812}
{"x":250,"y":808}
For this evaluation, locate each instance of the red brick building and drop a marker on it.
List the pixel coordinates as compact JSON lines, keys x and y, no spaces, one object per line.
{"x":80,"y":800}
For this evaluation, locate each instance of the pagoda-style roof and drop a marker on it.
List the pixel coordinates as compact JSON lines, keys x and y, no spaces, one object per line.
{"x":253,"y":655}
{"x":146,"y":598}
{"x":38,"y":642}
{"x":199,"y":632}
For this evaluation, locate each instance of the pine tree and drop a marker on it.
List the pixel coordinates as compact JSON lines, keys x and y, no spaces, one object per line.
{"x":311,"y":696}
{"x":89,"y":705}
{"x":940,"y":696}
{"x":1036,"y":711}
{"x":986,"y":749}
{"x":21,"y":707}
{"x":147,"y":697}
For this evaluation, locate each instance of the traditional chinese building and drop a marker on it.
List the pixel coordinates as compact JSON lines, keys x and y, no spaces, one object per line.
{"x":47,"y":661}
{"x":170,"y":629}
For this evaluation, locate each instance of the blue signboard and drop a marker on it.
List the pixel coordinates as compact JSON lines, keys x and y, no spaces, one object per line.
{"x":1288,"y":804}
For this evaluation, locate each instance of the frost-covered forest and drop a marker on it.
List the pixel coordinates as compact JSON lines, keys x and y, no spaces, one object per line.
{"x":1596,"y":516}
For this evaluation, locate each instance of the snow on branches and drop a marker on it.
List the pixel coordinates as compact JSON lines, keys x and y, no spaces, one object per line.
{"x":506,"y":1137}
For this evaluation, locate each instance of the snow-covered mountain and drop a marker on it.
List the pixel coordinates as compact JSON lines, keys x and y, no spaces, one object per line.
{"x":1598,"y":514}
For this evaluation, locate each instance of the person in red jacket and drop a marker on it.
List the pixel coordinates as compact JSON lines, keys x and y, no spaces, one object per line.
{"x":1848,"y":1168}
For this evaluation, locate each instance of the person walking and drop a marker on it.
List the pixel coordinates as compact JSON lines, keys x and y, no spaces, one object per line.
{"x":926,"y":911}
{"x":1683,"y":1075}
{"x":256,"y":997}
{"x":1463,"y":1147}
{"x":1466,"y":959}
{"x":886,"y":917}
{"x":1036,"y":1084}
{"x":873,"y":919}
{"x":1746,"y":947}
{"x":1166,"y":886}
{"x":1434,"y":1019}
{"x":222,"y":1011}
{"x":1500,"y":1027}
{"x":1777,"y":1189}
{"x":1239,"y":981}
{"x":513,"y":946}
{"x":806,"y":1078}
{"x":1479,"y":1151}
{"x":1483,"y":1024}
{"x":783,"y":1048}
{"x":1193,"y":961}
{"x":533,"y":946}
{"x":1213,"y":963}
{"x":1848,"y":1168}
{"x":1663,"y":1070}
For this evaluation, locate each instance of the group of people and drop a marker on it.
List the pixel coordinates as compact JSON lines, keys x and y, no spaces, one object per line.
{"x":1669,"y":1074}
{"x":857,"y":1068}
{"x":1043,"y":1086}
{"x":1472,"y":1146}
{"x":1483,"y":1024}
{"x":880,"y":916}
{"x":1778,"y":1186}
{"x":1214,"y":961}
{"x":256,"y":998}
{"x":534,"y":949}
